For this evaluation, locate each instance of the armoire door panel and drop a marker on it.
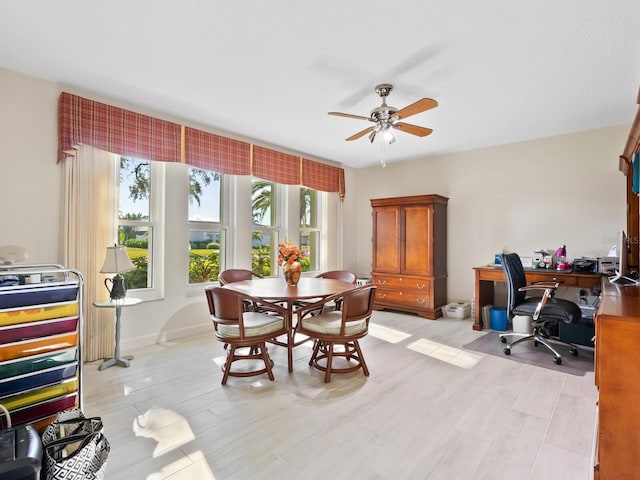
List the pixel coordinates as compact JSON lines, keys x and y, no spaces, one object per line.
{"x":386,"y":255}
{"x":416,"y":251}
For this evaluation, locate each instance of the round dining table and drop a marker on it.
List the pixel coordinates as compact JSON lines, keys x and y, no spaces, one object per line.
{"x":275,"y":289}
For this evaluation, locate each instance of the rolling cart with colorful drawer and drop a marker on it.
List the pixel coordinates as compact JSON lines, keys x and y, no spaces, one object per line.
{"x":40,"y":342}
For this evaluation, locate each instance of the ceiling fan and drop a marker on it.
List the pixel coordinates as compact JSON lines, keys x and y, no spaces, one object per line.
{"x":387,"y":118}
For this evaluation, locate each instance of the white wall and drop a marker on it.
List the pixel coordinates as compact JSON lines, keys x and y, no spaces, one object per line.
{"x":518,"y":197}
{"x":30,"y":202}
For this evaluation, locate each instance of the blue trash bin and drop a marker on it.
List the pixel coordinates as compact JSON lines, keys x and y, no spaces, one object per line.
{"x":498,"y":319}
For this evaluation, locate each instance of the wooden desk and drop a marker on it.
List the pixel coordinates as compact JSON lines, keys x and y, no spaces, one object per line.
{"x":617,"y":376}
{"x":487,"y":276}
{"x":275,"y":288}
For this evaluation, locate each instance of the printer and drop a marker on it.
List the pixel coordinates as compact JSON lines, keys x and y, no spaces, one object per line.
{"x":585,"y":265}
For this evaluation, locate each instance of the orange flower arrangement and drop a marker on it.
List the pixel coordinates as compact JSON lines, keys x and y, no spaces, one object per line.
{"x":288,"y":253}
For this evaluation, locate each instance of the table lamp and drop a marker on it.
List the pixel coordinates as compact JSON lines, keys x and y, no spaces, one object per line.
{"x":115,"y":261}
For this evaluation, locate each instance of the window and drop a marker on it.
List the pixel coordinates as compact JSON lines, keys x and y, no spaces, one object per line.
{"x":136,"y":223}
{"x":206,"y":233}
{"x":264,"y":240}
{"x":309,"y":229}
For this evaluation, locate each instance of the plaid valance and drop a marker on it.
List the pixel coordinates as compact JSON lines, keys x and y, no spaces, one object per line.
{"x":275,"y":166}
{"x":87,"y":122}
{"x":214,"y":152}
{"x":113,"y":129}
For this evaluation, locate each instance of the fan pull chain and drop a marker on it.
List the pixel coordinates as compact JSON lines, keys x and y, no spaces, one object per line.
{"x":383,"y":152}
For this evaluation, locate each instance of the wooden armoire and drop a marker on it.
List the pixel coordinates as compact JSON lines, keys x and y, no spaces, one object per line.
{"x":409,"y":264}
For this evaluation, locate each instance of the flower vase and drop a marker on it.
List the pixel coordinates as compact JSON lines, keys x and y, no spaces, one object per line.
{"x":292,"y":272}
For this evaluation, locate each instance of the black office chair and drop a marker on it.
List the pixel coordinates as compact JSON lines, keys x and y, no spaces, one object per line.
{"x":546,"y":310}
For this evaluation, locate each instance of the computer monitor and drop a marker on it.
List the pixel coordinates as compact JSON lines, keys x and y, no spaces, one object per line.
{"x":620,"y":277}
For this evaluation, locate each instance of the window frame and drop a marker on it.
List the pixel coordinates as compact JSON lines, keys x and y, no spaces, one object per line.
{"x":155,"y":263}
{"x":274,"y":230}
{"x":316,"y":213}
{"x":222,"y":227}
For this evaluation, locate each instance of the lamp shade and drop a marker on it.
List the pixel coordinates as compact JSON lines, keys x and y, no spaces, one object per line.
{"x":116,"y":260}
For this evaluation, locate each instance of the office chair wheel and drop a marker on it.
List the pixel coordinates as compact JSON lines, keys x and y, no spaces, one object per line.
{"x":503,"y":339}
{"x":507,"y":351}
{"x":574,"y":352}
{"x":557,"y":361}
{"x":535,"y":343}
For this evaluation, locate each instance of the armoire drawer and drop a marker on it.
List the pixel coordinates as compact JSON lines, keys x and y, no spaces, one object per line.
{"x":396,"y":297}
{"x":401,"y":282}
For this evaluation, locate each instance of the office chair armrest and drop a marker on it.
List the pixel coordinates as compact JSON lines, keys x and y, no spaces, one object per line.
{"x":540,"y":286}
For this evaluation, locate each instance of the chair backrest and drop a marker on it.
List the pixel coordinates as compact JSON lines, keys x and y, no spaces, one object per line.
{"x":516,"y":279}
{"x":236,"y":275}
{"x":358,"y":303}
{"x":343,"y":275}
{"x":223,"y":304}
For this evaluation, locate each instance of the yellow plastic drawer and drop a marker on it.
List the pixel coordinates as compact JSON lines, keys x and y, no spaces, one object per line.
{"x":25,"y":315}
{"x":33,"y":397}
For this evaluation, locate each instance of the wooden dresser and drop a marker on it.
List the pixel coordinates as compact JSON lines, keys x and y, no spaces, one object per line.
{"x":617,"y":376}
{"x":409,"y":264}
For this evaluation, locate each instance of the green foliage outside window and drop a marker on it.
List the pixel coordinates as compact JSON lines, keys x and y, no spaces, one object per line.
{"x":137,"y":278}
{"x":204,"y":268}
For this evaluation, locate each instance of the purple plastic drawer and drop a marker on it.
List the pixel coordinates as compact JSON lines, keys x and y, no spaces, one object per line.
{"x":26,"y":331}
{"x":40,"y":410}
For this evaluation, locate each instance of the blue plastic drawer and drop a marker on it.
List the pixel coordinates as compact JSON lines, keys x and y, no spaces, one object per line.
{"x":37,"y":379}
{"x":39,"y":295}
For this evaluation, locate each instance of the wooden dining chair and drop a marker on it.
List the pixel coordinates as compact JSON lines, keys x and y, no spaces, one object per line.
{"x":238,"y":329}
{"x":343,"y":276}
{"x":232,"y":275}
{"x":342,"y":328}
{"x":236,"y":275}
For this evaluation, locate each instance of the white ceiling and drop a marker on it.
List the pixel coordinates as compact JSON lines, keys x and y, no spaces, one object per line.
{"x":502,"y":71}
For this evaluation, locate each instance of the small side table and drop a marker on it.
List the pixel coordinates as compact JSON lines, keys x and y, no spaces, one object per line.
{"x":118,"y":305}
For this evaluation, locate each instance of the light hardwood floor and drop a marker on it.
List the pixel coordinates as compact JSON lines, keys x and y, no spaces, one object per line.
{"x":430,"y":410}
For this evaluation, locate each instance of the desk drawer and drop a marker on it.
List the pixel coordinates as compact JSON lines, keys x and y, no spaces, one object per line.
{"x":404,"y":283}
{"x":416,"y":301}
{"x":564,"y":280}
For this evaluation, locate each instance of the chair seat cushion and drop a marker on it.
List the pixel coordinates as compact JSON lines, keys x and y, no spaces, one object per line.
{"x":555,"y":309}
{"x":255,"y":325}
{"x":329,"y":323}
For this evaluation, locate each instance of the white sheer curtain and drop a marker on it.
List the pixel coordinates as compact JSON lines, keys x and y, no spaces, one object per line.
{"x":89,"y":227}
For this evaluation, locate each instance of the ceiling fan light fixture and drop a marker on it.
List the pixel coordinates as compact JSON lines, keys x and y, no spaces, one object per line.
{"x":387,"y":136}
{"x":385,"y":118}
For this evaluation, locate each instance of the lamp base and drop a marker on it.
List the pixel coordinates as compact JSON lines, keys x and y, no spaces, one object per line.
{"x":118,"y":289}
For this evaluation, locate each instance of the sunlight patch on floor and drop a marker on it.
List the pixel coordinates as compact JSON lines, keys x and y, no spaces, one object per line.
{"x":455,"y":356}
{"x":169,"y":429}
{"x":387,"y":334}
{"x":199,"y":469}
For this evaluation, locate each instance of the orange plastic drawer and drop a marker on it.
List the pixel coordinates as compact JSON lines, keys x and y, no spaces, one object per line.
{"x":10,"y":351}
